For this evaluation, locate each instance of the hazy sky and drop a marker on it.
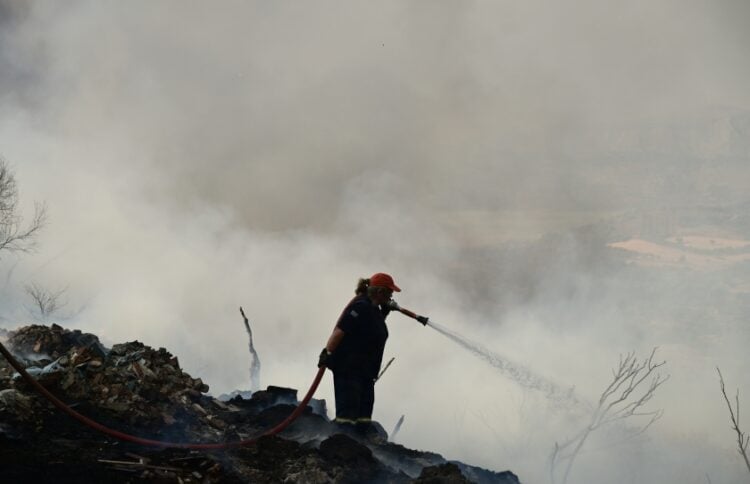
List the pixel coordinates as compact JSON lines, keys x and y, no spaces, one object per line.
{"x":197,"y":157}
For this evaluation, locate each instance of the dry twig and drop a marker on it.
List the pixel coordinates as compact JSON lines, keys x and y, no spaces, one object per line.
{"x":620,"y":400}
{"x":742,"y":439}
{"x":254,"y":359}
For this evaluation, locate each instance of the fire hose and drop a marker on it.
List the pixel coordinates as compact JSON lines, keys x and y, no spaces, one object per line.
{"x":160,"y":443}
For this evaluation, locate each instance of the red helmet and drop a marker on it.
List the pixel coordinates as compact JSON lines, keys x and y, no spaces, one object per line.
{"x":384,"y":280}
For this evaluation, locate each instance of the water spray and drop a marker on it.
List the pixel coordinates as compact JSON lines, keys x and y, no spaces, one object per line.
{"x":520,"y":374}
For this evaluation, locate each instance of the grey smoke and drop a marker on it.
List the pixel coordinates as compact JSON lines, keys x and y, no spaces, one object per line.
{"x":266,"y":153}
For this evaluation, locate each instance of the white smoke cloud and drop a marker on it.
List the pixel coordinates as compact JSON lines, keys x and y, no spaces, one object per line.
{"x":261,"y":154}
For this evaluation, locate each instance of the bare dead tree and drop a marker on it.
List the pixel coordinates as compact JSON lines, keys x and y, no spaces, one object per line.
{"x":396,"y":428}
{"x":46,"y":302}
{"x":734,"y":415}
{"x":633,"y":385}
{"x":13,"y":236}
{"x":254,"y":359}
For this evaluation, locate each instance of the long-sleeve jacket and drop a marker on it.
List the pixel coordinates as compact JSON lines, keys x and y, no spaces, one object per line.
{"x":360,"y":352}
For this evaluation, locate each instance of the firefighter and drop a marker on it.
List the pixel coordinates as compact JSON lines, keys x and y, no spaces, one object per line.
{"x":354,"y":350}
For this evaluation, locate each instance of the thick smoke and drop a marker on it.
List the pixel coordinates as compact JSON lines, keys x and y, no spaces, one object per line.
{"x":267,"y":154}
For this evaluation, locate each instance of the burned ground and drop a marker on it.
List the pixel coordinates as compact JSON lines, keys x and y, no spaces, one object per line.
{"x":141,"y":391}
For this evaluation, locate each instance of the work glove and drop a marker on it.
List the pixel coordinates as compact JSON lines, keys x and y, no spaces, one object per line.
{"x":323,"y":358}
{"x":388,"y":307}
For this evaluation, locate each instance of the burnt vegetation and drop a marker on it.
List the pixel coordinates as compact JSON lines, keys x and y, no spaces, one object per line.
{"x":144,"y":392}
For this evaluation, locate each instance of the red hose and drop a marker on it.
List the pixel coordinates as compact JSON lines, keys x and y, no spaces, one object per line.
{"x":158,"y":443}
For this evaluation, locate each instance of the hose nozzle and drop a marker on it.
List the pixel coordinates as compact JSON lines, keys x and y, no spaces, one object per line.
{"x":393,"y":305}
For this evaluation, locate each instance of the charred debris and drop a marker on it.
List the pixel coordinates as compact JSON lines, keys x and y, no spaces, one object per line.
{"x":143,"y":391}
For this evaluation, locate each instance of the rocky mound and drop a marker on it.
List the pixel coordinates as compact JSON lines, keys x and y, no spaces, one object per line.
{"x":141,"y":391}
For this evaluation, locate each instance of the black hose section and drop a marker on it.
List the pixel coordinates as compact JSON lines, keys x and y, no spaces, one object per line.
{"x":412,"y":314}
{"x":158,"y":443}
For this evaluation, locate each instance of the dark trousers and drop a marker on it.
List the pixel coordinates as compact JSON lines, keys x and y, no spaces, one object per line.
{"x":355,"y":397}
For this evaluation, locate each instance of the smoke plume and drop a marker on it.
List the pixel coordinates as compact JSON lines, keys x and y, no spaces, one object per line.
{"x":485,"y":153}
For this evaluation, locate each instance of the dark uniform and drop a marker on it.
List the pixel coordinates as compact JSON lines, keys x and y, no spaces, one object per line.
{"x":356,"y":361}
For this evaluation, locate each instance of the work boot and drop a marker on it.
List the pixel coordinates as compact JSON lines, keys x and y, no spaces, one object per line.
{"x":346,"y":426}
{"x":371,"y":432}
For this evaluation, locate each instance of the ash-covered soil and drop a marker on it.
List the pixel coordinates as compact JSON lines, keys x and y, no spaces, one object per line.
{"x":138,"y":390}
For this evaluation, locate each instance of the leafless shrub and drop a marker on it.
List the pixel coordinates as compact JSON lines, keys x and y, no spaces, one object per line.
{"x":734,"y":415}
{"x":46,"y":302}
{"x":633,"y":385}
{"x":13,"y":237}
